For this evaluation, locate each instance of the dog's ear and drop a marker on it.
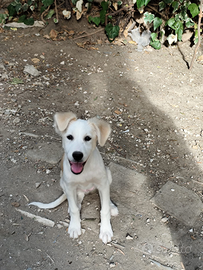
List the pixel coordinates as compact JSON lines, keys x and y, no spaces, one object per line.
{"x":62,"y":120}
{"x":102,"y":128}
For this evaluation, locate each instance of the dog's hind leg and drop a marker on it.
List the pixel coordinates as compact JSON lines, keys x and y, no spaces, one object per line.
{"x":114,"y":209}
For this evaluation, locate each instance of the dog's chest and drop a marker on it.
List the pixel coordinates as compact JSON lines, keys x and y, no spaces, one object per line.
{"x":86,"y":189}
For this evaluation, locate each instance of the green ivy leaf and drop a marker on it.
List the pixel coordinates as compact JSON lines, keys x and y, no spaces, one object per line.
{"x":154,"y":36}
{"x":140,"y":3}
{"x":11,"y":10}
{"x":183,"y":13}
{"x":25,"y":7}
{"x":104,"y":5}
{"x":18,"y":7}
{"x":112,"y":31}
{"x":47,"y":3}
{"x":95,"y":20}
{"x":157,"y":22}
{"x":50,"y":14}
{"x":22,"y":18}
{"x":148,"y":17}
{"x":162,"y":5}
{"x":25,"y":20}
{"x":194,"y":10}
{"x":180,"y":33}
{"x":29,"y":2}
{"x":156,"y":44}
{"x":175,"y":6}
{"x":3,"y":17}
{"x":168,"y":1}
{"x":146,"y":2}
{"x":189,"y":23}
{"x":29,"y":21}
{"x":102,"y":16}
{"x":171,"y":22}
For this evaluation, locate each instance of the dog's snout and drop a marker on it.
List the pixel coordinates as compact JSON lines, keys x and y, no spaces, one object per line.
{"x":77,"y":156}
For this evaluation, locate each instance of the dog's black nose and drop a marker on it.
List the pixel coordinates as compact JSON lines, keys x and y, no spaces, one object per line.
{"x":77,"y":156}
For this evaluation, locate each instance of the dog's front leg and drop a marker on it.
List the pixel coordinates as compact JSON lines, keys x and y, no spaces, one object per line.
{"x":74,"y":228}
{"x":105,"y":230}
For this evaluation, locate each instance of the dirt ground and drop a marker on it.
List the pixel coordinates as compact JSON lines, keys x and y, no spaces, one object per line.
{"x":155,"y":107}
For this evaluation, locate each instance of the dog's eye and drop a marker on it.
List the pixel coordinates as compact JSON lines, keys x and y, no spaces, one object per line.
{"x":87,"y":138}
{"x":70,"y":137}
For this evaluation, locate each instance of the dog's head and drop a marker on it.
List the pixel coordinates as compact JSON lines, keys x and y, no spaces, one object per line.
{"x":80,"y":137}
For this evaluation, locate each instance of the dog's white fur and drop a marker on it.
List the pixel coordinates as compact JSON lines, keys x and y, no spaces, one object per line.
{"x":87,"y":172}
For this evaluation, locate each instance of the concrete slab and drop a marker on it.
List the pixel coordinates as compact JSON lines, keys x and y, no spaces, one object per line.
{"x":178,"y":201}
{"x":50,"y":153}
{"x":124,"y":178}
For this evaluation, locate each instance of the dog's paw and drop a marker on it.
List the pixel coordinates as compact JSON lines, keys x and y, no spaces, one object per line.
{"x":105,"y":234}
{"x":74,"y":230}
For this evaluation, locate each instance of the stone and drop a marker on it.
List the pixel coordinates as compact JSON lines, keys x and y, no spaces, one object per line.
{"x":124,"y":178}
{"x":50,"y":153}
{"x":183,"y":204}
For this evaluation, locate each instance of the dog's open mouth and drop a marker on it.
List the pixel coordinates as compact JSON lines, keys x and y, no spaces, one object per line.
{"x":77,"y":167}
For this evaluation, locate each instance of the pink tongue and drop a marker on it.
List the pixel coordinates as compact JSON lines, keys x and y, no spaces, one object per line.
{"x":77,"y":167}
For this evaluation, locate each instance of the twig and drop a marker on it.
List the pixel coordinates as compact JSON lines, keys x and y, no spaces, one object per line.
{"x":57,"y":16}
{"x":44,"y":221}
{"x":125,"y":8}
{"x":154,"y":9}
{"x":199,"y":37}
{"x":42,"y":15}
{"x":89,"y":34}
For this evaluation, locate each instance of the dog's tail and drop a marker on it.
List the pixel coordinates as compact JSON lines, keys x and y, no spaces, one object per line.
{"x":51,"y":205}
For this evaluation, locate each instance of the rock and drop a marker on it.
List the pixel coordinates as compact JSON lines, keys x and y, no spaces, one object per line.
{"x":187,"y":35}
{"x":126,"y":179}
{"x":30,"y":69}
{"x":185,"y":205}
{"x":50,"y":153}
{"x":16,"y":120}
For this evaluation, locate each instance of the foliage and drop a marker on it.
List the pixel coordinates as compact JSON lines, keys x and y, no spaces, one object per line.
{"x":175,"y":24}
{"x":23,"y":9}
{"x":168,"y":21}
{"x":112,"y":31}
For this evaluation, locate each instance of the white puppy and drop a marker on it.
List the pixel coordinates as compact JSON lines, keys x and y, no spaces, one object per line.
{"x":83,"y":170}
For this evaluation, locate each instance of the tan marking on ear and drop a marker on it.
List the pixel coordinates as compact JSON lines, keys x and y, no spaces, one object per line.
{"x":62,"y":120}
{"x":103,"y":129}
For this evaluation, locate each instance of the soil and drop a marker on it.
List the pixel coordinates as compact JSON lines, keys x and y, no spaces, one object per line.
{"x":154,"y":105}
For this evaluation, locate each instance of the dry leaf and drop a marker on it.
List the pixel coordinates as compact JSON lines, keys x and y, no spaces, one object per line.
{"x":47,"y":36}
{"x":35,"y":60}
{"x":118,"y":112}
{"x":128,"y":27}
{"x":132,"y":42}
{"x":15,"y":204}
{"x":200,"y":58}
{"x":99,"y":41}
{"x":53,"y":34}
{"x":92,"y":48}
{"x":71,"y":32}
{"x":81,"y":45}
{"x":115,"y":5}
{"x":78,"y":15}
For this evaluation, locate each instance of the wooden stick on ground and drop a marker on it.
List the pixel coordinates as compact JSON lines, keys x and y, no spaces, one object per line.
{"x":199,"y":37}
